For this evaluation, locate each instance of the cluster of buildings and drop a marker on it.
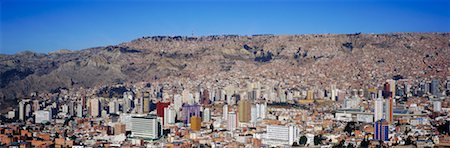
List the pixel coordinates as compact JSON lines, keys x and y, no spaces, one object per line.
{"x":246,"y":113}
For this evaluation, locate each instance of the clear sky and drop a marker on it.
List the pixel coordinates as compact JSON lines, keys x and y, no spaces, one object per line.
{"x":45,"y":26}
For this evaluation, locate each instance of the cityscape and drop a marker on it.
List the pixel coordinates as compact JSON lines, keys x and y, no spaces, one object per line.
{"x":327,"y":90}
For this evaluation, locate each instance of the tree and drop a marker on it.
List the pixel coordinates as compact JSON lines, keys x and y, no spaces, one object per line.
{"x":303,"y":140}
{"x":318,"y":140}
{"x":350,"y":145}
{"x":349,"y":127}
{"x":365,"y":143}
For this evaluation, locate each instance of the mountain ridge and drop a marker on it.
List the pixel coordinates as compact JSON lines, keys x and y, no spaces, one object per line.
{"x":357,"y":59}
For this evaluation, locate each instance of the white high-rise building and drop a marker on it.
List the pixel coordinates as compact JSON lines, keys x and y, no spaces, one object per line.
{"x":378,"y":110}
{"x":281,"y":135}
{"x":113,"y":107}
{"x":148,"y":127}
{"x":254,"y":114}
{"x":22,"y":110}
{"x":169,"y":115}
{"x":261,"y":109}
{"x":225,"y":112}
{"x":95,"y":107}
{"x":437,"y":106}
{"x":80,"y":110}
{"x":232,"y":121}
{"x":178,"y":102}
{"x":42,"y":116}
{"x":206,"y":115}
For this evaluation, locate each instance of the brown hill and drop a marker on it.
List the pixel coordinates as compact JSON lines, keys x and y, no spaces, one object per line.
{"x":350,"y":60}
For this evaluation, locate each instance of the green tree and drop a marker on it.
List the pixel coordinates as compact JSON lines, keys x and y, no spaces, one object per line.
{"x":303,"y":140}
{"x":318,"y":140}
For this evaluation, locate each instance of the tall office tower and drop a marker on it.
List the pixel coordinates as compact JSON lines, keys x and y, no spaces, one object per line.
{"x":434,"y":87}
{"x":195,"y":123}
{"x":205,"y":97}
{"x":28,"y":110}
{"x":206,"y":115}
{"x":310,"y":95}
{"x":169,"y":115}
{"x":178,"y":102}
{"x":138,"y":105}
{"x":146,"y":103}
{"x":244,"y":110}
{"x":189,"y":111}
{"x":186,"y":95}
{"x":71,"y":106}
{"x":127,"y":99}
{"x":261,"y":109}
{"x":437,"y":106}
{"x":392,"y":87}
{"x":387,"y":90}
{"x":254,"y":114}
{"x":36,"y":105}
{"x":65,"y":109}
{"x":389,"y":110}
{"x":160,"y":108}
{"x":378,"y":109}
{"x":113,"y":107}
{"x":95,"y":107}
{"x":381,"y":130}
{"x":148,"y":127}
{"x":80,"y":109}
{"x":282,"y":134}
{"x":22,"y":110}
{"x":225,"y":112}
{"x":232,"y":121}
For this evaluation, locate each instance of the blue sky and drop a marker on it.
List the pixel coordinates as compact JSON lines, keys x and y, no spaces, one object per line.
{"x":45,"y":26}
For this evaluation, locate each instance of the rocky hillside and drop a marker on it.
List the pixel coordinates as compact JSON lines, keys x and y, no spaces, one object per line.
{"x":350,"y":60}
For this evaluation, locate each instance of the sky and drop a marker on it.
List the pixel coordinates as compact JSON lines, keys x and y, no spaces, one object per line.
{"x":48,"y":25}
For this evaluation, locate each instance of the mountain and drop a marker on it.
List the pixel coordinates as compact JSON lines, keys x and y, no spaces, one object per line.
{"x":349,"y":60}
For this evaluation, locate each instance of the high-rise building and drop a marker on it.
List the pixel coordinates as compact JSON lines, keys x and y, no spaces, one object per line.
{"x":148,"y":127}
{"x":392,"y":87}
{"x":160,"y":108}
{"x":244,"y":111}
{"x":169,"y":115}
{"x":437,"y":106}
{"x":254,"y":114}
{"x":189,"y":111}
{"x":310,"y":95}
{"x":389,"y":115}
{"x":80,"y":110}
{"x":225,"y":112}
{"x":113,"y":107}
{"x":22,"y":110}
{"x":42,"y":116}
{"x":282,"y":134}
{"x":195,"y":123}
{"x":95,"y":107}
{"x":434,"y":87}
{"x":261,"y":109}
{"x":206,"y":115}
{"x":232,"y":121}
{"x":146,"y":103}
{"x":378,"y":111}
{"x":381,"y":129}
{"x":178,"y":102}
